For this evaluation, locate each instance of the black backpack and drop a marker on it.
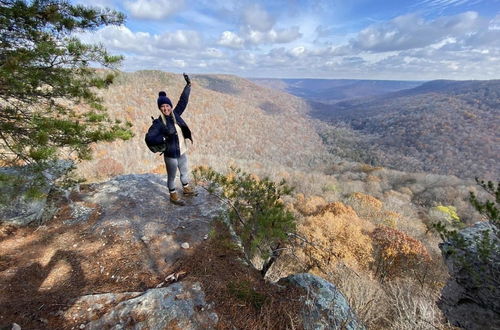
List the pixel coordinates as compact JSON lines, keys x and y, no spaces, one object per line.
{"x":150,"y":138}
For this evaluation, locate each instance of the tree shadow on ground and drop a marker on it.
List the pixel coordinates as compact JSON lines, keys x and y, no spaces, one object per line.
{"x":26,"y":299}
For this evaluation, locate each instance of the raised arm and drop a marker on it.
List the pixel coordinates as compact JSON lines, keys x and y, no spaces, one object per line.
{"x":184,"y":99}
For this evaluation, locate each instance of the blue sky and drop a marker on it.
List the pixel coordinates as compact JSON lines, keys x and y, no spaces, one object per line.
{"x":408,"y":40}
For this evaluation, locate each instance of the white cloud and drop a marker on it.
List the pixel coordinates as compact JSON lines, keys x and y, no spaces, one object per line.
{"x":287,"y":35}
{"x":411,"y":31}
{"x":443,"y":4}
{"x":495,"y":23}
{"x":255,"y":37}
{"x":179,"y":63}
{"x":179,"y":39}
{"x":257,"y":27}
{"x":231,"y":40}
{"x":258,"y":19}
{"x":485,"y":38}
{"x":298,"y":51}
{"x":413,"y":64}
{"x":153,"y":9}
{"x":253,"y":43}
{"x":246,"y":58}
{"x":96,"y":3}
{"x":213,"y":53}
{"x":121,"y":39}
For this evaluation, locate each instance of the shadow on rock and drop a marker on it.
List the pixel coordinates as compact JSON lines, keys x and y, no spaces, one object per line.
{"x":34,"y":289}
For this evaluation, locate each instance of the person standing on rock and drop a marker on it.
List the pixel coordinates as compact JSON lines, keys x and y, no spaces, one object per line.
{"x":173,"y":131}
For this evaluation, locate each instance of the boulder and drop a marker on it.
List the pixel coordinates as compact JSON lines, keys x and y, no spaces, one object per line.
{"x":19,"y":210}
{"x":181,"y":305}
{"x":471,"y":297}
{"x":325,"y":307}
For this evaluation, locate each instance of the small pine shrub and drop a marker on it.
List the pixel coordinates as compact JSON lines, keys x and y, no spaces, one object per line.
{"x":255,"y":210}
{"x":489,"y":209}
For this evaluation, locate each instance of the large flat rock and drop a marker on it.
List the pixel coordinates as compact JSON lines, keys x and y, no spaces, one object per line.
{"x":137,"y":207}
{"x":178,"y":306}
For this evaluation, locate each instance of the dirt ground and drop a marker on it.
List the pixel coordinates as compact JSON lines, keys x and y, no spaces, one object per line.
{"x":42,"y":269}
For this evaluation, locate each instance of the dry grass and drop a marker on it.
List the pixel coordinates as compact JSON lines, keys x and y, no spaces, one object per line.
{"x":365,"y":295}
{"x":242,"y":298}
{"x":413,"y":308}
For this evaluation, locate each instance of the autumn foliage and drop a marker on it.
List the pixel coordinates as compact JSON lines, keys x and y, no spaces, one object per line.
{"x":255,"y":209}
{"x":337,"y":235}
{"x":396,"y":254}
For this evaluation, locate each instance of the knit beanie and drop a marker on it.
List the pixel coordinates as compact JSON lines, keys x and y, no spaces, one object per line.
{"x":163,"y":99}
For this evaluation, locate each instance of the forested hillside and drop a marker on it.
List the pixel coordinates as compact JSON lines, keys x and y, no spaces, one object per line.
{"x":232,"y":120}
{"x":334,"y":90}
{"x":445,"y":127}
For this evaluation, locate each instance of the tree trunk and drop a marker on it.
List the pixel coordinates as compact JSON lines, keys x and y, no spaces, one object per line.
{"x":274,"y":256}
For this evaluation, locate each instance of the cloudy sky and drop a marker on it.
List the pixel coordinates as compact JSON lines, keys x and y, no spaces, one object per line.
{"x":369,"y":39}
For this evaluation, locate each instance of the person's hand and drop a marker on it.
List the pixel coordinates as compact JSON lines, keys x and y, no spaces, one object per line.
{"x":186,"y":77}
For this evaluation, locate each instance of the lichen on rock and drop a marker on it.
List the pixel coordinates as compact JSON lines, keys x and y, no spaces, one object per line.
{"x":325,"y":307}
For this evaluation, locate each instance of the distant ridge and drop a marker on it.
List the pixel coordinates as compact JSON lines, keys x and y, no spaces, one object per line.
{"x":334,"y":90}
{"x":470,"y":91}
{"x":442,"y":126}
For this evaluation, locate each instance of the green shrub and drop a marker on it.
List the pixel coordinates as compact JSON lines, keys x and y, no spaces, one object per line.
{"x":255,"y":210}
{"x":488,"y":208}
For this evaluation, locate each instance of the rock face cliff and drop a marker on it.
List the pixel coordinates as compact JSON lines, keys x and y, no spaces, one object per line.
{"x":471,"y":298}
{"x":109,"y":259}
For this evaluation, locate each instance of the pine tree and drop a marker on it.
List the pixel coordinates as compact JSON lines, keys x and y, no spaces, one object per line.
{"x":255,"y":210}
{"x":488,"y":209}
{"x":48,"y":103}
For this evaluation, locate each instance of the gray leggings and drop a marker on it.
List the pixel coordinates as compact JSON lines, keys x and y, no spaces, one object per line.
{"x":172,"y":165}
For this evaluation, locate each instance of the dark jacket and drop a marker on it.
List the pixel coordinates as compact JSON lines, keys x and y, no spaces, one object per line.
{"x":160,"y":133}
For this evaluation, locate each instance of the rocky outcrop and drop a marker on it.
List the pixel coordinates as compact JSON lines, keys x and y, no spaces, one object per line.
{"x":134,"y":210}
{"x":325,"y":307}
{"x":137,"y":208}
{"x":20,"y":210}
{"x":179,"y":306}
{"x":471,"y":298}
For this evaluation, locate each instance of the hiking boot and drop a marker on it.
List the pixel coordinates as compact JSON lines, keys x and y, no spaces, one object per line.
{"x":188,"y":191}
{"x":175,"y":199}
